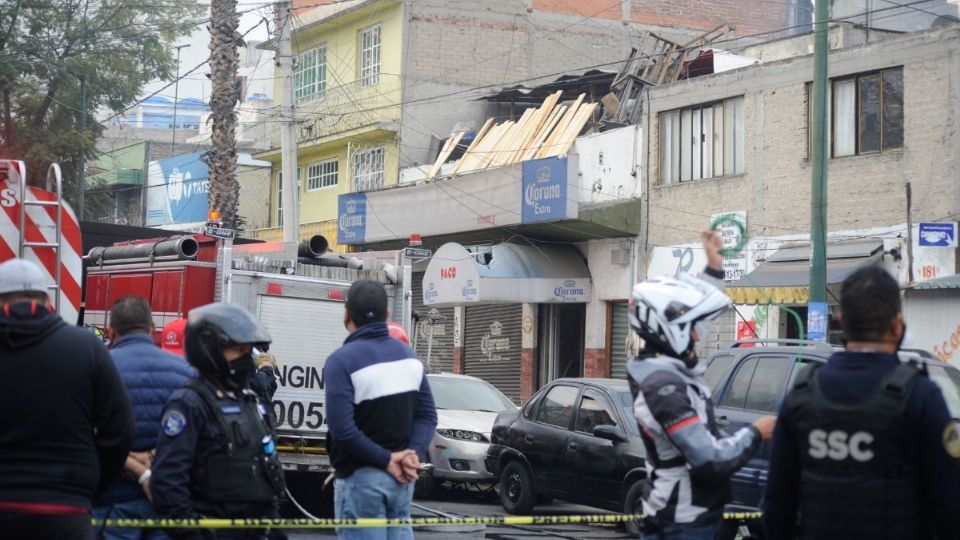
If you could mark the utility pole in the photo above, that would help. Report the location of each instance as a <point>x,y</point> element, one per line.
<point>176,96</point>
<point>81,174</point>
<point>288,141</point>
<point>817,315</point>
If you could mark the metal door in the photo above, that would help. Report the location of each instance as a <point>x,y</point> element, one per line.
<point>441,352</point>
<point>619,329</point>
<point>492,346</point>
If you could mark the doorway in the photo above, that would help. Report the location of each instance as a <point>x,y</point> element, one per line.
<point>561,341</point>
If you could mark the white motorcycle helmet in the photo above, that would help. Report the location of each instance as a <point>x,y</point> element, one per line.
<point>663,310</point>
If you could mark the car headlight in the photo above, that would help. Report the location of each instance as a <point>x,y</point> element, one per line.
<point>462,435</point>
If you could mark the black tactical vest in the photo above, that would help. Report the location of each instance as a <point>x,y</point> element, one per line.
<point>238,470</point>
<point>856,481</point>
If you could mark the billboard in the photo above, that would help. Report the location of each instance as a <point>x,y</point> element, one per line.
<point>177,190</point>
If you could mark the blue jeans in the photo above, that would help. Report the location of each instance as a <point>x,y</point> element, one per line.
<point>684,531</point>
<point>134,509</point>
<point>372,493</point>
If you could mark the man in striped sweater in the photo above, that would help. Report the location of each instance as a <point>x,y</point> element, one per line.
<point>381,416</point>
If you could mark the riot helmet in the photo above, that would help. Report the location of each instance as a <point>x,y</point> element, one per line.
<point>212,328</point>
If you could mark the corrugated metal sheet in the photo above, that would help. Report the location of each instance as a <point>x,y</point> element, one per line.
<point>619,328</point>
<point>946,282</point>
<point>492,345</point>
<point>441,354</point>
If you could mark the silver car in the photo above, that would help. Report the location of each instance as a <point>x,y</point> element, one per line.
<point>466,409</point>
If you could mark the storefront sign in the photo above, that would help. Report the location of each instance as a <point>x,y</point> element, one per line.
<point>352,218</point>
<point>545,190</point>
<point>735,264</point>
<point>570,291</point>
<point>938,235</point>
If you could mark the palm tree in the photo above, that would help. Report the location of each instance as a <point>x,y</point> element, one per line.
<point>222,158</point>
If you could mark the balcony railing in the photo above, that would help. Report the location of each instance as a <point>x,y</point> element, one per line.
<point>340,108</point>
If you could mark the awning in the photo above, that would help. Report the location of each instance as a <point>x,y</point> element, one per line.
<point>946,282</point>
<point>784,278</point>
<point>505,273</point>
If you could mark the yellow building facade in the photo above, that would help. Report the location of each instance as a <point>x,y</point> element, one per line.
<point>347,92</point>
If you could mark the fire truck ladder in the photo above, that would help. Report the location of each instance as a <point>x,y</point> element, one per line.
<point>54,176</point>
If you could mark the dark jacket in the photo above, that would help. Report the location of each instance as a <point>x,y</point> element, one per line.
<point>378,401</point>
<point>66,425</point>
<point>190,435</point>
<point>849,378</point>
<point>150,376</point>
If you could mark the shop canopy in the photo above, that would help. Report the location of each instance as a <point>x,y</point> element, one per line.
<point>505,273</point>
<point>784,278</point>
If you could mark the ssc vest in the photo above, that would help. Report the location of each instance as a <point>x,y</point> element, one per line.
<point>857,481</point>
<point>239,469</point>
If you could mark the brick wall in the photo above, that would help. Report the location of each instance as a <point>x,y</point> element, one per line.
<point>596,363</point>
<point>863,191</point>
<point>528,373</point>
<point>458,360</point>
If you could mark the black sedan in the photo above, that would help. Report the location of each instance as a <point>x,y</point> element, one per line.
<point>575,440</point>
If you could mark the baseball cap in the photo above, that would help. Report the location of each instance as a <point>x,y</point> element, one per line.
<point>171,338</point>
<point>397,332</point>
<point>18,275</point>
<point>367,302</point>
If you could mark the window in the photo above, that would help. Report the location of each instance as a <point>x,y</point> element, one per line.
<point>704,141</point>
<point>310,73</point>
<point>370,56</point>
<point>556,408</point>
<point>368,169</point>
<point>594,411</point>
<point>280,195</point>
<point>716,370</point>
<point>765,387</point>
<point>736,394</point>
<point>322,175</point>
<point>865,111</point>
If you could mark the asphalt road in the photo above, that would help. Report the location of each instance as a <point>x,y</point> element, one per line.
<point>455,502</point>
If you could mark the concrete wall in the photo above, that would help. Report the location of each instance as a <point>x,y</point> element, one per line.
<point>864,191</point>
<point>254,197</point>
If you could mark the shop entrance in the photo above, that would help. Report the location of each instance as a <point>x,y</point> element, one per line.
<point>560,346</point>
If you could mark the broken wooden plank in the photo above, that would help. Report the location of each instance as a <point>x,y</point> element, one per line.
<point>448,149</point>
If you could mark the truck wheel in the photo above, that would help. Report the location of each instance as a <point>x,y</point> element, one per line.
<point>632,504</point>
<point>516,489</point>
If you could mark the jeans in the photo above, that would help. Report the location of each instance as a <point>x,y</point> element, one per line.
<point>372,493</point>
<point>133,509</point>
<point>684,531</point>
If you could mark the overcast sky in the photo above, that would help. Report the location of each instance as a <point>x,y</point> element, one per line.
<point>196,84</point>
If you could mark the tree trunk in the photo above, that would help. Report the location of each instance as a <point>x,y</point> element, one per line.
<point>7,119</point>
<point>222,158</point>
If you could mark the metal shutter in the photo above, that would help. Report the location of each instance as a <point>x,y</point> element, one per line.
<point>492,345</point>
<point>441,356</point>
<point>619,328</point>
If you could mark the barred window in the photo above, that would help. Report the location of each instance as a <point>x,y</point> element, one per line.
<point>322,174</point>
<point>310,73</point>
<point>368,169</point>
<point>280,195</point>
<point>370,56</point>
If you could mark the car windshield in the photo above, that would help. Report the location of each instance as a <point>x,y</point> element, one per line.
<point>468,395</point>
<point>949,382</point>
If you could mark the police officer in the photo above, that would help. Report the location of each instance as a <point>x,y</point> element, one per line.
<point>865,447</point>
<point>216,455</point>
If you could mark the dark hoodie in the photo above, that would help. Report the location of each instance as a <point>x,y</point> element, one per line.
<point>65,419</point>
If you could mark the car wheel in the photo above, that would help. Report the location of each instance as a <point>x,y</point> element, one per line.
<point>516,489</point>
<point>632,504</point>
<point>426,486</point>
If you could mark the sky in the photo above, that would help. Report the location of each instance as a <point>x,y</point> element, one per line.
<point>197,85</point>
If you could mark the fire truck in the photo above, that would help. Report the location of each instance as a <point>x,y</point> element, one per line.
<point>295,290</point>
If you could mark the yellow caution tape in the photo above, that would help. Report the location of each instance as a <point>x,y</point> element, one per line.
<point>267,523</point>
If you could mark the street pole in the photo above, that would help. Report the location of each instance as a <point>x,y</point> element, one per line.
<point>81,175</point>
<point>176,95</point>
<point>817,303</point>
<point>288,141</point>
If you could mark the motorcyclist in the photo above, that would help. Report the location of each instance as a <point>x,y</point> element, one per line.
<point>689,461</point>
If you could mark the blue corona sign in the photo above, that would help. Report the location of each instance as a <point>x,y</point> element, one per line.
<point>352,218</point>
<point>544,196</point>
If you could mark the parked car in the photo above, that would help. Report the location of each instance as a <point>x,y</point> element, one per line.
<point>466,409</point>
<point>750,379</point>
<point>575,440</point>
